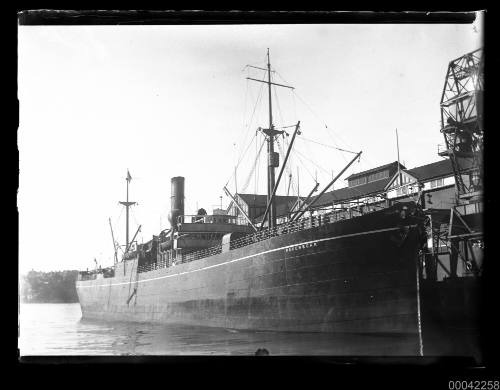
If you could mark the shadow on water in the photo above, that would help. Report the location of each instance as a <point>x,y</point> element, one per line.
<point>155,339</point>
<point>59,330</point>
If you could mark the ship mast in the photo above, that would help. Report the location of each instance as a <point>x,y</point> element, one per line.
<point>272,162</point>
<point>272,156</point>
<point>127,205</point>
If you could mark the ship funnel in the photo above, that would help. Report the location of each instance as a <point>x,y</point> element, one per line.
<point>177,200</point>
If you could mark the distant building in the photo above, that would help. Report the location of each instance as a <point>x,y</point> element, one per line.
<point>433,185</point>
<point>436,180</point>
<point>365,191</point>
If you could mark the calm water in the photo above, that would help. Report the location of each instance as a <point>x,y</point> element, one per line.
<point>58,329</point>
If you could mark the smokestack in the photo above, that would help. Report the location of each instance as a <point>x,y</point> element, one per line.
<point>177,200</point>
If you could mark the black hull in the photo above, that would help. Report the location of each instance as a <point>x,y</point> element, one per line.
<point>357,275</point>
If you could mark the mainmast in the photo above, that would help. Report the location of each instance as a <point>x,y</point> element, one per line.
<point>272,156</point>
<point>127,204</point>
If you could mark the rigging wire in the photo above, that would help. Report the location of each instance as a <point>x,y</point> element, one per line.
<point>281,152</point>
<point>312,162</point>
<point>287,167</point>
<point>281,147</point>
<point>121,212</point>
<point>329,146</point>
<point>294,107</point>
<point>133,216</point>
<point>242,132</point>
<point>246,150</point>
<point>257,176</point>
<point>307,105</point>
<point>257,101</point>
<point>242,155</point>
<point>252,170</point>
<point>249,125</point>
<point>241,158</point>
<point>330,134</point>
<point>257,166</point>
<point>246,100</point>
<point>307,170</point>
<point>308,152</point>
<point>277,104</point>
<point>118,221</point>
<point>286,141</point>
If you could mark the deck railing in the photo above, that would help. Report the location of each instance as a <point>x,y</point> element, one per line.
<point>162,263</point>
<point>265,234</point>
<point>86,276</point>
<point>91,275</point>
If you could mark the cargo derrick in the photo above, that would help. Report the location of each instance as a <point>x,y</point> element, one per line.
<point>462,123</point>
<point>451,265</point>
<point>462,128</point>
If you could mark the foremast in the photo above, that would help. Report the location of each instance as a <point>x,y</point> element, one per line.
<point>127,205</point>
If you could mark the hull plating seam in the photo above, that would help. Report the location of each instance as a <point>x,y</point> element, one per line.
<point>245,257</point>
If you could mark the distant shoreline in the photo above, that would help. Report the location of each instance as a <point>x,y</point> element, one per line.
<point>55,302</point>
<point>52,303</point>
<point>49,287</point>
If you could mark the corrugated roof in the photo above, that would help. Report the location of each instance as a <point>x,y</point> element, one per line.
<point>352,192</point>
<point>429,171</point>
<point>392,164</point>
<point>424,172</point>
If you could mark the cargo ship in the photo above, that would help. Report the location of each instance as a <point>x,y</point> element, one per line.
<point>337,271</point>
<point>313,274</point>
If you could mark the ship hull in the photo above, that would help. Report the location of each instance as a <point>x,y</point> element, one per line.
<point>357,275</point>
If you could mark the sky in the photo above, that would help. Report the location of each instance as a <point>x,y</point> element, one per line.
<point>164,101</point>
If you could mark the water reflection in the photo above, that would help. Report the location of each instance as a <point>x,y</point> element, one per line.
<point>57,329</point>
<point>151,339</point>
